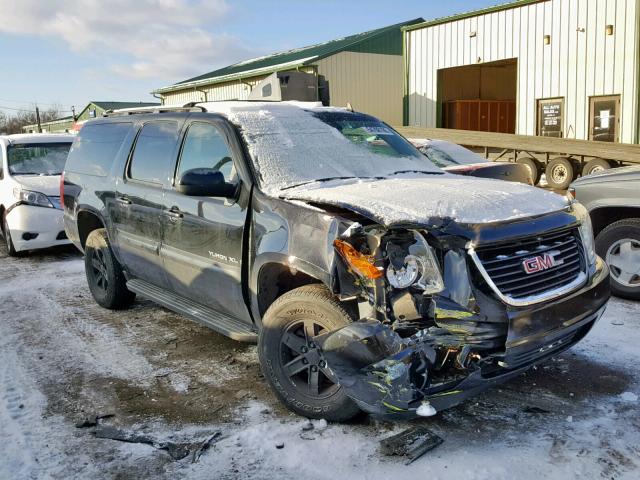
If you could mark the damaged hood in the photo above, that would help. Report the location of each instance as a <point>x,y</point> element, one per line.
<point>423,198</point>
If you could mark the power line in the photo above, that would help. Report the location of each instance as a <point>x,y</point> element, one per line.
<point>33,103</point>
<point>2,107</point>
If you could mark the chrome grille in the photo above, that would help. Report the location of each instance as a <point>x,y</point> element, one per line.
<point>504,265</point>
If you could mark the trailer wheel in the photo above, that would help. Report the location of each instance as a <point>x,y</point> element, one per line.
<point>534,166</point>
<point>594,166</point>
<point>560,173</point>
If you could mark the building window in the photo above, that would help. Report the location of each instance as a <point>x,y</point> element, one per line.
<point>92,113</point>
<point>551,117</point>
<point>604,118</point>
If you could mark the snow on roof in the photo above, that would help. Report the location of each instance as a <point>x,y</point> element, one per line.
<point>37,138</point>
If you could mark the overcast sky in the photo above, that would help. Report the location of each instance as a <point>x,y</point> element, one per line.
<point>72,51</point>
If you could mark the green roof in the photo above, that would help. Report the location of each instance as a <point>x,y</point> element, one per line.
<point>473,13</point>
<point>118,105</point>
<point>386,40</point>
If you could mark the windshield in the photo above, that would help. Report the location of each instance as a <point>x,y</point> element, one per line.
<point>37,158</point>
<point>291,146</point>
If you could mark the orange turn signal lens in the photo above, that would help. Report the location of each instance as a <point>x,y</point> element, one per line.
<point>361,264</point>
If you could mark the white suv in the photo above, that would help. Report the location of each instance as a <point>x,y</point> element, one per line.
<point>30,168</point>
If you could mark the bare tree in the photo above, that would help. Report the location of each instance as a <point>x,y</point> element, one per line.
<point>13,123</point>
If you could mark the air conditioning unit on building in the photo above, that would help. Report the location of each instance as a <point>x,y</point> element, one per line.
<point>280,86</point>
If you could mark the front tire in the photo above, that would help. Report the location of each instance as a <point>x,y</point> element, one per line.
<point>7,238</point>
<point>619,245</point>
<point>291,362</point>
<point>105,277</point>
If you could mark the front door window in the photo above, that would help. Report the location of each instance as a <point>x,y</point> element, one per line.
<point>205,147</point>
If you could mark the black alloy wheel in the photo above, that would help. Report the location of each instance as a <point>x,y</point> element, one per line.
<point>303,362</point>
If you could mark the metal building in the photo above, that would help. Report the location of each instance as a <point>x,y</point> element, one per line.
<point>561,68</point>
<point>364,70</point>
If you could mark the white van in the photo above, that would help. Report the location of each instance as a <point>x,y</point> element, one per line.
<point>30,168</point>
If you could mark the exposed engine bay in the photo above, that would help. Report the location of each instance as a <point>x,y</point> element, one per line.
<point>428,322</point>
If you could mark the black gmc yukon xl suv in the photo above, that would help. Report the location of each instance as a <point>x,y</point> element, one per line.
<point>370,279</point>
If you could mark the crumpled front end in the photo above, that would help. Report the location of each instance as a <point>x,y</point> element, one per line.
<point>433,330</point>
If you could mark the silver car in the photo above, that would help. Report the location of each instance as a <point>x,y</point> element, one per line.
<point>613,200</point>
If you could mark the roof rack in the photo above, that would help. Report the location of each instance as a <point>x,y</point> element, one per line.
<point>189,107</point>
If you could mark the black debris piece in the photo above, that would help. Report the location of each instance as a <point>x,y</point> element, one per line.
<point>411,443</point>
<point>86,423</point>
<point>535,410</point>
<point>204,446</point>
<point>177,451</point>
<point>92,421</point>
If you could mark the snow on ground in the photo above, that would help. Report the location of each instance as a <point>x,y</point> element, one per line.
<point>173,383</point>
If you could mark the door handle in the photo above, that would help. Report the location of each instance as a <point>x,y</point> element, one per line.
<point>123,200</point>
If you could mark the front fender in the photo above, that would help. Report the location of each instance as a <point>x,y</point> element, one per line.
<point>295,236</point>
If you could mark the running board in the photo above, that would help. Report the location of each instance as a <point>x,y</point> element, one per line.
<point>208,317</point>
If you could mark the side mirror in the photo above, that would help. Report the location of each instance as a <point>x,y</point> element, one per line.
<point>205,182</point>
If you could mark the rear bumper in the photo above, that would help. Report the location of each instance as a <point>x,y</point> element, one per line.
<point>36,227</point>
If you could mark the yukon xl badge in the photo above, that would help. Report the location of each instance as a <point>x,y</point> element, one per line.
<point>542,262</point>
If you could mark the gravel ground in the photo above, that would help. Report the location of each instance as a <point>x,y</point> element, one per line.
<point>174,399</point>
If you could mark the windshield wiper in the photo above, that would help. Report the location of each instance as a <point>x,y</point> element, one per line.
<point>326,179</point>
<point>428,172</point>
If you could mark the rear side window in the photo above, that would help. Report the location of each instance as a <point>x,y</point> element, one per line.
<point>153,151</point>
<point>94,149</point>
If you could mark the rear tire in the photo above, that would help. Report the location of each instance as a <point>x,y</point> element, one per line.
<point>560,172</point>
<point>534,166</point>
<point>6,232</point>
<point>105,277</point>
<point>290,361</point>
<point>619,245</point>
<point>594,166</point>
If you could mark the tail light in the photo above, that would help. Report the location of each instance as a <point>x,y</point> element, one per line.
<point>62,189</point>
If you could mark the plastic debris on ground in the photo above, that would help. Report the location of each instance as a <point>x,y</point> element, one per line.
<point>411,443</point>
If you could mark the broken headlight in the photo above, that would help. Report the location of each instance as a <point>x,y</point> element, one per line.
<point>413,263</point>
<point>586,232</point>
<point>32,198</point>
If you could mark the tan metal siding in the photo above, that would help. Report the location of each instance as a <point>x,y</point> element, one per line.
<point>577,64</point>
<point>371,82</point>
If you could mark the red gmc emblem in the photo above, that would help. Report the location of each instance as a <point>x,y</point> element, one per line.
<point>540,263</point>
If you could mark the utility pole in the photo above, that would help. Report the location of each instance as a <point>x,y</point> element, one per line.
<point>38,119</point>
<point>73,112</point>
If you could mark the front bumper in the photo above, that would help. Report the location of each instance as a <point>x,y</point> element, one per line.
<point>389,387</point>
<point>25,221</point>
